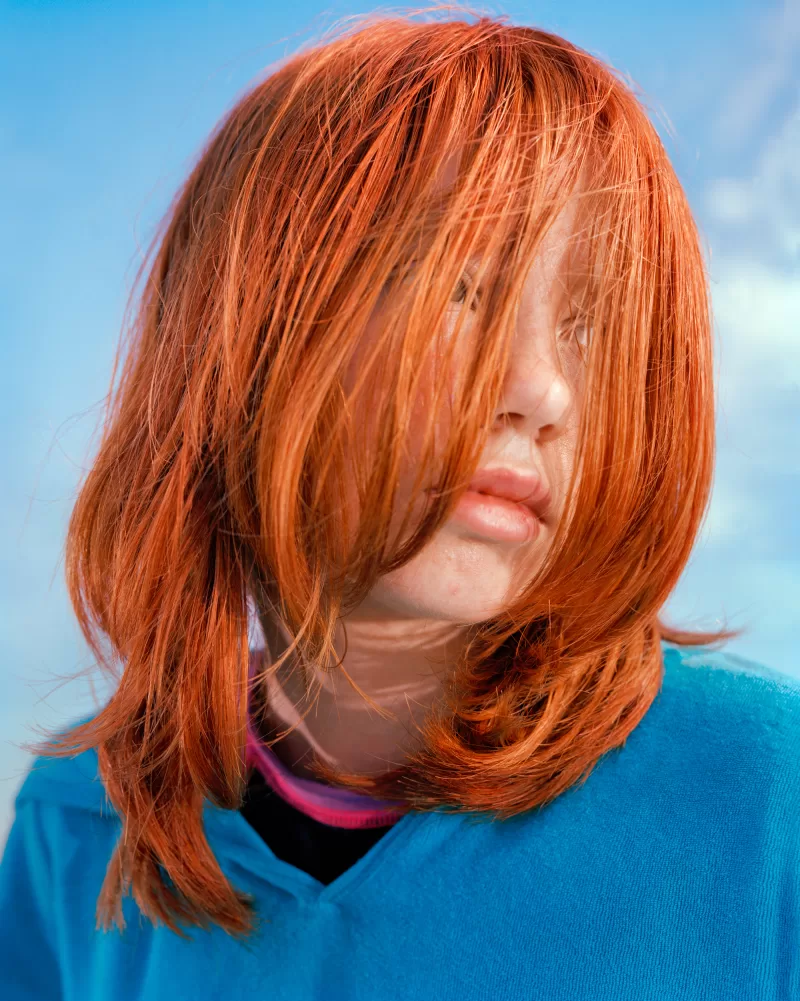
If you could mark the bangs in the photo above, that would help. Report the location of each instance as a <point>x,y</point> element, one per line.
<point>537,128</point>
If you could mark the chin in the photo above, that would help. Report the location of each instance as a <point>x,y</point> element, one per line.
<point>448,591</point>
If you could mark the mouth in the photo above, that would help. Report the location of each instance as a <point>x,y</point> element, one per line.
<point>521,486</point>
<point>498,519</point>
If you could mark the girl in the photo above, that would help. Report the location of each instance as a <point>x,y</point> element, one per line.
<point>416,431</point>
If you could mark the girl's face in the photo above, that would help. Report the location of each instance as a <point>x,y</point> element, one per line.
<point>465,575</point>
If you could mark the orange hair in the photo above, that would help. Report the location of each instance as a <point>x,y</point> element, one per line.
<point>223,452</point>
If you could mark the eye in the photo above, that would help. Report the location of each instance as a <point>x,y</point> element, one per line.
<point>463,285</point>
<point>579,331</point>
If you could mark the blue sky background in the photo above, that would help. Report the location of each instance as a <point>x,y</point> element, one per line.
<point>104,107</point>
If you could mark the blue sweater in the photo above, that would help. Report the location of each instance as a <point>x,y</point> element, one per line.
<point>672,873</point>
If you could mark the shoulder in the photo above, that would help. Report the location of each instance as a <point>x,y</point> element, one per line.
<point>66,781</point>
<point>719,690</point>
<point>722,725</point>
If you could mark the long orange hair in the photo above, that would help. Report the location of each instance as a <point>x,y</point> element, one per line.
<point>224,446</point>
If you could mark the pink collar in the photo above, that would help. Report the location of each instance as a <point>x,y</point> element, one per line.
<point>327,804</point>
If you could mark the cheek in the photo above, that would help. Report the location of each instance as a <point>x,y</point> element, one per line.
<point>437,385</point>
<point>564,455</point>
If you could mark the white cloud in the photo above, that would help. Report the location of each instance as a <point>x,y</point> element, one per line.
<point>730,201</point>
<point>747,563</point>
<point>755,262</point>
<point>730,508</point>
<point>776,55</point>
<point>757,308</point>
<point>768,201</point>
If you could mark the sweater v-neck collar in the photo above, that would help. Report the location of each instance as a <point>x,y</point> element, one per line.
<point>233,840</point>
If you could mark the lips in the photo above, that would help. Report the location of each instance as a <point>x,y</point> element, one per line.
<point>523,486</point>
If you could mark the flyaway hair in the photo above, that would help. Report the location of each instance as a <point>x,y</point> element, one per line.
<point>229,439</point>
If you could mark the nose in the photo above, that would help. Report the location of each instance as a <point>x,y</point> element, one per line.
<point>537,397</point>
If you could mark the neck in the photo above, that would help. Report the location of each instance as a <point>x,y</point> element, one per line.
<point>398,664</point>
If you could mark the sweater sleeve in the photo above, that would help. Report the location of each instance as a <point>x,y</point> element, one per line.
<point>29,966</point>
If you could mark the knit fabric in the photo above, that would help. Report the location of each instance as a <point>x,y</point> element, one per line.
<point>672,872</point>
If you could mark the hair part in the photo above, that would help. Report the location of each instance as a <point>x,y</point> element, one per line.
<point>226,444</point>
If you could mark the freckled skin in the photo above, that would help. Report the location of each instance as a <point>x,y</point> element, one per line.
<point>460,578</point>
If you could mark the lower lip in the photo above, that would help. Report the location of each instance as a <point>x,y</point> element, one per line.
<point>497,518</point>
